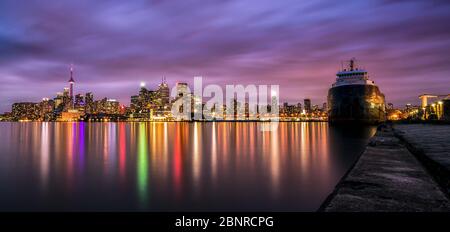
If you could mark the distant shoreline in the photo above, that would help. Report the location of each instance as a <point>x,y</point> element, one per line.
<point>236,121</point>
<point>438,122</point>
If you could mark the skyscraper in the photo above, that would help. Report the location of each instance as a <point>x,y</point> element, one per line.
<point>164,93</point>
<point>66,99</point>
<point>275,108</point>
<point>144,104</point>
<point>46,107</point>
<point>89,103</point>
<point>307,105</point>
<point>59,99</point>
<point>182,89</point>
<point>79,103</point>
<point>79,100</point>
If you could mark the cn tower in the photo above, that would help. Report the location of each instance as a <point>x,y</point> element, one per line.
<point>71,83</point>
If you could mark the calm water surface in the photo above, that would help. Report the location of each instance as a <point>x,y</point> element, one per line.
<point>173,166</point>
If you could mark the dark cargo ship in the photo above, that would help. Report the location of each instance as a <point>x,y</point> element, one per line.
<point>355,98</point>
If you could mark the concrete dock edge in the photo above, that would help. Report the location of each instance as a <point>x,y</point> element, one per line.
<point>387,177</point>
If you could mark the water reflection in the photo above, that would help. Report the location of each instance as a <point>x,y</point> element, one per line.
<point>142,164</point>
<point>122,151</point>
<point>70,140</point>
<point>196,156</point>
<point>274,164</point>
<point>112,145</point>
<point>214,153</point>
<point>182,166</point>
<point>81,152</point>
<point>177,166</point>
<point>45,156</point>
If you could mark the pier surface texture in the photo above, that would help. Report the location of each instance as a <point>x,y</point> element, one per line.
<point>389,178</point>
<point>431,144</point>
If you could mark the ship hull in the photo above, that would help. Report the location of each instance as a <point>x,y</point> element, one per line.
<point>356,103</point>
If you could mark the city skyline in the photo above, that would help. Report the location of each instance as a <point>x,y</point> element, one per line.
<point>75,98</point>
<point>298,46</point>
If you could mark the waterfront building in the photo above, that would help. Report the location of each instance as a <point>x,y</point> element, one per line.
<point>446,109</point>
<point>6,116</point>
<point>436,109</point>
<point>354,97</point>
<point>112,106</point>
<point>24,111</point>
<point>46,107</point>
<point>70,116</point>
<point>424,99</point>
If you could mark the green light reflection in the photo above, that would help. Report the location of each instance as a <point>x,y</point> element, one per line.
<point>142,165</point>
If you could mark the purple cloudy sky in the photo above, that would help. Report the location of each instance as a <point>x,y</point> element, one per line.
<point>299,45</point>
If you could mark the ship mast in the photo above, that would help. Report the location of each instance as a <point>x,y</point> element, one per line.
<point>352,64</point>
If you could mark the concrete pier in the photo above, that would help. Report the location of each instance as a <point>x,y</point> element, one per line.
<point>430,143</point>
<point>387,178</point>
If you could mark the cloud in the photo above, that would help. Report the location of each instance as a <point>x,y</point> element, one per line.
<point>116,44</point>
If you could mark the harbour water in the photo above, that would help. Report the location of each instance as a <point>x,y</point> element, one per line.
<point>212,166</point>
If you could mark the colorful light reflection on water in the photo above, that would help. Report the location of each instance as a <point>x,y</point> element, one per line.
<point>172,166</point>
<point>142,165</point>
